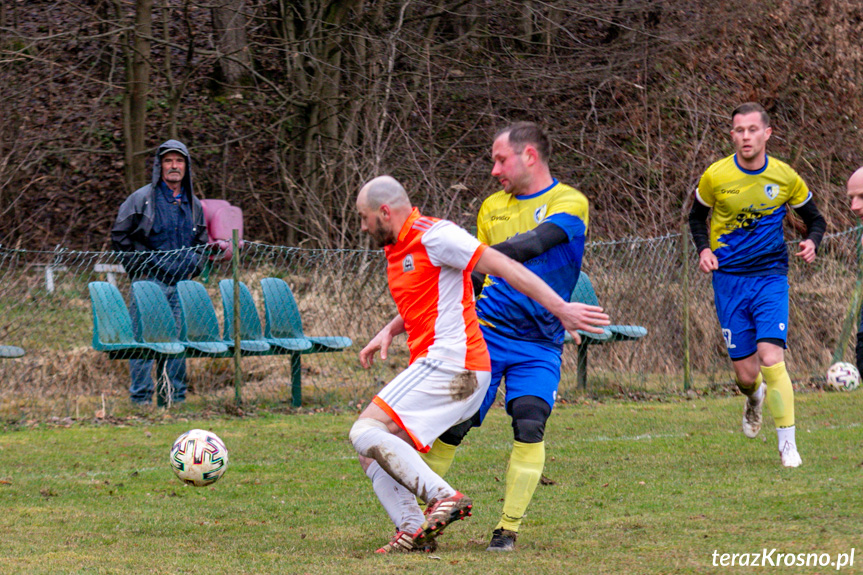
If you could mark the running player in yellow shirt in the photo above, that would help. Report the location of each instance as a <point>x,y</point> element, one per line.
<point>745,195</point>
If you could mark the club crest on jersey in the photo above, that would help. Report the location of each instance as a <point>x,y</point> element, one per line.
<point>539,213</point>
<point>408,264</point>
<point>771,191</point>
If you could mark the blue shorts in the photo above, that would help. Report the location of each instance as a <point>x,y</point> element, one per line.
<point>529,368</point>
<point>750,309</point>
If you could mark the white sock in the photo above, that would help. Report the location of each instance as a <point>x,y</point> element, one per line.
<point>758,394</point>
<point>399,503</point>
<point>786,434</point>
<point>400,460</point>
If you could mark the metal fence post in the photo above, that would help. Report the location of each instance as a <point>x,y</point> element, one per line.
<point>296,380</point>
<point>235,266</point>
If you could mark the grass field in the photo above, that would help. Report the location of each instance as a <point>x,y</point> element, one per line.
<point>649,487</point>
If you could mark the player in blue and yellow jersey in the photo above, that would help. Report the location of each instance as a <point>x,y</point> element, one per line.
<point>540,222</point>
<point>746,196</point>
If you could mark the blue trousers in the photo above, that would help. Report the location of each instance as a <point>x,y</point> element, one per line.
<point>140,370</point>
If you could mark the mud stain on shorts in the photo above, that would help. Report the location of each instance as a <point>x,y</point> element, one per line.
<point>463,386</point>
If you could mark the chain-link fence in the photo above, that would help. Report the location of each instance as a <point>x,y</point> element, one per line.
<point>46,309</point>
<point>644,282</point>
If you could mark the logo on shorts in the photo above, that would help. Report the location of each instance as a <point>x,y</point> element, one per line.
<point>781,327</point>
<point>771,191</point>
<point>408,264</point>
<point>539,213</point>
<point>726,333</point>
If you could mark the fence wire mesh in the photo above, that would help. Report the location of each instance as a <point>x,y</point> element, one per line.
<point>48,306</point>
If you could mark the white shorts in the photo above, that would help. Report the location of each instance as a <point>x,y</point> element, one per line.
<point>431,396</point>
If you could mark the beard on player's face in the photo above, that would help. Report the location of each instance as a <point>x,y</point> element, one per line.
<point>381,235</point>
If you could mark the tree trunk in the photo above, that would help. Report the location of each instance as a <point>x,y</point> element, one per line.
<point>314,45</point>
<point>2,23</point>
<point>229,26</point>
<point>173,91</point>
<point>137,88</point>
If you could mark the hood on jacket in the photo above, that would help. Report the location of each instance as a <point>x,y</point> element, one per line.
<point>173,145</point>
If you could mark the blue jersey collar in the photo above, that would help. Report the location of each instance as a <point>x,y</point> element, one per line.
<point>751,172</point>
<point>554,182</point>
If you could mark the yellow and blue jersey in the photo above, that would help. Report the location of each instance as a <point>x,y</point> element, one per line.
<point>501,217</point>
<point>747,212</point>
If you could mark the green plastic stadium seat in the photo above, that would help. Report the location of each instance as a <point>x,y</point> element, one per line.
<point>251,339</point>
<point>250,322</point>
<point>585,293</point>
<point>10,351</point>
<point>199,331</point>
<point>283,318</point>
<point>112,328</point>
<point>156,322</point>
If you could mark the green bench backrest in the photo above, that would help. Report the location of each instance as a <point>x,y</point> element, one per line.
<point>111,320</point>
<point>282,313</point>
<point>155,318</point>
<point>200,323</point>
<point>250,322</point>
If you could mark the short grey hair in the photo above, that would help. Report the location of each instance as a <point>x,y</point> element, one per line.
<point>385,190</point>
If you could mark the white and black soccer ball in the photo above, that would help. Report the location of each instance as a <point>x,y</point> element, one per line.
<point>199,457</point>
<point>843,376</point>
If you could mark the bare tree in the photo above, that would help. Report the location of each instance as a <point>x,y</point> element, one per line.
<point>137,89</point>
<point>2,22</point>
<point>634,93</point>
<point>229,29</point>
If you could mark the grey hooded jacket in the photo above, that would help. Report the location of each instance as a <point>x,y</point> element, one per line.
<point>134,224</point>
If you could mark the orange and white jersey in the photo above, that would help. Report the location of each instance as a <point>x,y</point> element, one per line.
<point>428,270</point>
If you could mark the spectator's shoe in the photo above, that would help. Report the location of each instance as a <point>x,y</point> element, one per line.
<point>502,540</point>
<point>789,455</point>
<point>441,513</point>
<point>402,542</point>
<point>752,414</point>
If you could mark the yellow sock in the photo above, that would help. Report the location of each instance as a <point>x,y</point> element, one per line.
<point>747,391</point>
<point>439,457</point>
<point>522,476</point>
<point>780,394</point>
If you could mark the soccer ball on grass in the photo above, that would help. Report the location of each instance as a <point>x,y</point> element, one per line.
<point>843,376</point>
<point>199,457</point>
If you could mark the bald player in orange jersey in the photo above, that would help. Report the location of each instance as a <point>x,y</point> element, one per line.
<point>429,262</point>
<point>855,194</point>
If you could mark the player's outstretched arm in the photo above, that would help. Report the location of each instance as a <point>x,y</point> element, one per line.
<point>525,246</point>
<point>572,315</point>
<point>381,341</point>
